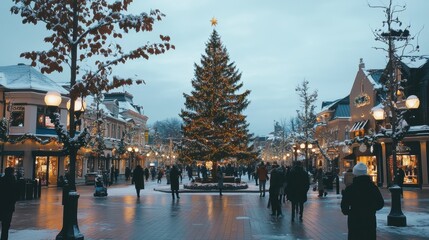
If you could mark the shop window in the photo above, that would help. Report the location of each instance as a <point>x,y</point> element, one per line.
<point>17,163</point>
<point>371,164</point>
<point>78,166</point>
<point>17,116</point>
<point>408,163</point>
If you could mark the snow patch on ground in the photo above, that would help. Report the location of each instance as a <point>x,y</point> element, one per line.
<point>417,224</point>
<point>33,234</point>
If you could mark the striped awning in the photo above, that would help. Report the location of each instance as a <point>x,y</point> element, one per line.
<point>358,125</point>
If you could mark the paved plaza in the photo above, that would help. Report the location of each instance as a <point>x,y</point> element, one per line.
<point>204,215</point>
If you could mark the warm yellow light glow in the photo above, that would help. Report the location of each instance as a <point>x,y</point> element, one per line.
<point>302,145</point>
<point>130,149</point>
<point>412,102</point>
<point>310,145</point>
<point>213,21</point>
<point>136,149</point>
<point>79,105</point>
<point>53,98</point>
<point>378,113</point>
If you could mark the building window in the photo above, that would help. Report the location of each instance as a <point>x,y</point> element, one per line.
<point>17,163</point>
<point>43,120</point>
<point>17,116</point>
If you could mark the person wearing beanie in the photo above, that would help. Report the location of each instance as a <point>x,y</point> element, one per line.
<point>360,201</point>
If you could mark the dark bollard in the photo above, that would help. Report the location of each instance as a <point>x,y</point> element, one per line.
<point>39,186</point>
<point>35,188</point>
<point>396,217</point>
<point>29,187</point>
<point>70,228</point>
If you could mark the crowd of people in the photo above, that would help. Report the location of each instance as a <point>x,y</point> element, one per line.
<point>361,198</point>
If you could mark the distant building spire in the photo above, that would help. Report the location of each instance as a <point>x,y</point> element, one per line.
<point>361,64</point>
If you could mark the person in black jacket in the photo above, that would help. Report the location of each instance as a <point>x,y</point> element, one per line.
<point>297,188</point>
<point>174,181</point>
<point>276,182</point>
<point>360,202</point>
<point>9,195</point>
<point>138,179</point>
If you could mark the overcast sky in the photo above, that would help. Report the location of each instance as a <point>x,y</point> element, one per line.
<point>276,44</point>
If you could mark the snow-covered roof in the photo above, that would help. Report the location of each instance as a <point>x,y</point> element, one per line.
<point>329,105</point>
<point>374,76</point>
<point>24,77</point>
<point>90,103</point>
<point>125,105</point>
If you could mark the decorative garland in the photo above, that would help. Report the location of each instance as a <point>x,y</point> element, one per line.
<point>28,136</point>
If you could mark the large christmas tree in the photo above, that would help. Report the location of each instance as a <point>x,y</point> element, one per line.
<point>214,127</point>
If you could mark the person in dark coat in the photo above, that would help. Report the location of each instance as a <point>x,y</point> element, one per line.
<point>276,182</point>
<point>174,181</point>
<point>146,173</point>
<point>360,202</point>
<point>219,175</point>
<point>189,170</point>
<point>127,173</point>
<point>138,179</point>
<point>9,195</point>
<point>297,188</point>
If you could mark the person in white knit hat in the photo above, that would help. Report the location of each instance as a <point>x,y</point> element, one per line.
<point>360,201</point>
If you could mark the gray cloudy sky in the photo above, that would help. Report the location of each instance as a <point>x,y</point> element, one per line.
<point>276,44</point>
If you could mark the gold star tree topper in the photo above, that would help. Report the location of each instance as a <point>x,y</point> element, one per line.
<point>213,21</point>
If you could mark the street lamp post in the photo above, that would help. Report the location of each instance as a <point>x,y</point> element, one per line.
<point>132,151</point>
<point>396,120</point>
<point>305,146</point>
<point>70,229</point>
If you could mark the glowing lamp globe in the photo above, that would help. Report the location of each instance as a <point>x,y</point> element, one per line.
<point>53,99</point>
<point>378,113</point>
<point>412,102</point>
<point>79,105</point>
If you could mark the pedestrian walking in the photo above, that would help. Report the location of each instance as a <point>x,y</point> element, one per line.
<point>297,188</point>
<point>219,175</point>
<point>189,170</point>
<point>153,173</point>
<point>360,202</point>
<point>9,195</point>
<point>348,177</point>
<point>174,181</point>
<point>276,182</point>
<point>262,175</point>
<point>146,173</point>
<point>127,173</point>
<point>138,179</point>
<point>160,174</point>
<point>320,175</point>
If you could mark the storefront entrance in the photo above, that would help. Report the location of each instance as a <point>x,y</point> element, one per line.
<point>47,169</point>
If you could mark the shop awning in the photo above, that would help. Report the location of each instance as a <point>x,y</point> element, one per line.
<point>358,125</point>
